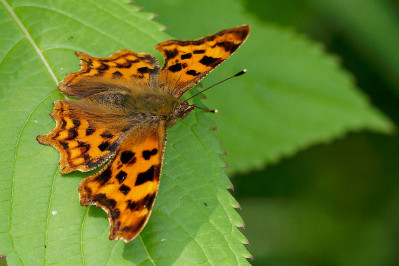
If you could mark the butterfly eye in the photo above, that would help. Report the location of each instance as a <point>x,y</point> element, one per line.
<point>182,110</point>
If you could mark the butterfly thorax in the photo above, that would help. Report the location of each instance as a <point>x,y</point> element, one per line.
<point>140,106</point>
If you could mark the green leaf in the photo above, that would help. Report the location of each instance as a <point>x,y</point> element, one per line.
<point>41,221</point>
<point>293,96</point>
<point>373,29</point>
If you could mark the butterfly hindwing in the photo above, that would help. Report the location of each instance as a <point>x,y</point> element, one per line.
<point>122,70</point>
<point>82,143</point>
<point>127,186</point>
<point>187,62</point>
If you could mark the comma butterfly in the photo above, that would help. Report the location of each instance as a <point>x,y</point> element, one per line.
<point>126,104</point>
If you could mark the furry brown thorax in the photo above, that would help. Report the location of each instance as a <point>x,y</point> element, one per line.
<point>154,106</point>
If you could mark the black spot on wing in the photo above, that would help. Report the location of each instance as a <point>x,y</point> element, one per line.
<point>117,74</point>
<point>64,145</point>
<point>72,134</point>
<point>103,146</point>
<point>193,73</point>
<point>121,176</point>
<point>126,156</point>
<point>171,53</point>
<point>90,131</point>
<point>145,176</point>
<point>186,56</point>
<point>143,70</point>
<point>127,228</point>
<point>147,154</point>
<point>115,214</point>
<point>124,189</point>
<point>63,123</point>
<point>103,200</point>
<point>146,202</point>
<point>76,122</point>
<point>132,205</point>
<point>104,177</point>
<point>175,68</point>
<point>227,46</point>
<point>107,135</point>
<point>207,61</point>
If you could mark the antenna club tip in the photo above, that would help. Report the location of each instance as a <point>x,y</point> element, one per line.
<point>215,111</point>
<point>241,72</point>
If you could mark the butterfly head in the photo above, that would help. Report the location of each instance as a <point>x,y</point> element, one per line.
<point>182,110</point>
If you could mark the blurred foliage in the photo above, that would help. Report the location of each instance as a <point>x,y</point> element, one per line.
<point>335,203</point>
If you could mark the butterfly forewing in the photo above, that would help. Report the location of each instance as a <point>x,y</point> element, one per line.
<point>187,62</point>
<point>127,186</point>
<point>122,70</point>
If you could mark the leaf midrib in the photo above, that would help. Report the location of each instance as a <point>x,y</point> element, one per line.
<point>30,39</point>
<point>47,66</point>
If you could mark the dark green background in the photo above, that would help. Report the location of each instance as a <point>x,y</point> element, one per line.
<point>336,203</point>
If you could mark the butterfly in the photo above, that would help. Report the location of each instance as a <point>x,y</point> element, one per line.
<point>125,104</point>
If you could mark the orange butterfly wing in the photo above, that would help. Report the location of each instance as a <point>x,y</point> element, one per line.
<point>187,62</point>
<point>123,70</point>
<point>127,186</point>
<point>83,143</point>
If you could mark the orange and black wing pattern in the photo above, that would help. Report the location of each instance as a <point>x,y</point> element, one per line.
<point>123,70</point>
<point>83,143</point>
<point>187,62</point>
<point>127,186</point>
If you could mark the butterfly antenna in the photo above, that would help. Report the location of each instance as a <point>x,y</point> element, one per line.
<point>215,111</point>
<point>236,75</point>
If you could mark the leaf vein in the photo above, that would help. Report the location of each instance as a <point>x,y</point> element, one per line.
<point>30,39</point>
<point>146,251</point>
<point>48,212</point>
